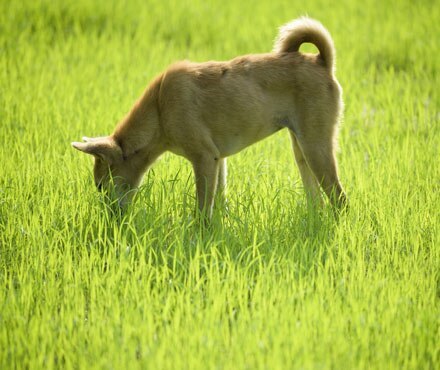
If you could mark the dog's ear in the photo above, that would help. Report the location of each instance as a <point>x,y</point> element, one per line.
<point>104,148</point>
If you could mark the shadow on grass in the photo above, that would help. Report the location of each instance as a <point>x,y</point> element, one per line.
<point>249,233</point>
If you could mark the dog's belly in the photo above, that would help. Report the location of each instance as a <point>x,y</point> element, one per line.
<point>229,141</point>
<point>232,142</point>
<point>249,118</point>
<point>233,135</point>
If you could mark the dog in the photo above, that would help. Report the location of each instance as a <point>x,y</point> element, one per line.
<point>208,111</point>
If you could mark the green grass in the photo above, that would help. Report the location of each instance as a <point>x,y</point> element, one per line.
<point>271,284</point>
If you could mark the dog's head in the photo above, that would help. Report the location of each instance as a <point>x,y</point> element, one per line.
<point>112,172</point>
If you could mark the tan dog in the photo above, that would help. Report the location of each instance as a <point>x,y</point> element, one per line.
<point>206,112</point>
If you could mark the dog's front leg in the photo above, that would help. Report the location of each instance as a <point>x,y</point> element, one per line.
<point>220,197</point>
<point>206,171</point>
<point>222,174</point>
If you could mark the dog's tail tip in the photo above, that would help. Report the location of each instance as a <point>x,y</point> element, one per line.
<point>304,29</point>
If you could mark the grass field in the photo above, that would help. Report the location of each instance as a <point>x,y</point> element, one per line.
<point>271,284</point>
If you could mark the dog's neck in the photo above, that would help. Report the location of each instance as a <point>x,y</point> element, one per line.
<point>139,134</point>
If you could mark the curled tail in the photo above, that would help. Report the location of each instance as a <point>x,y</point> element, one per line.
<point>302,30</point>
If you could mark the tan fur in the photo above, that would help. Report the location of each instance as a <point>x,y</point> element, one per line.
<point>206,112</point>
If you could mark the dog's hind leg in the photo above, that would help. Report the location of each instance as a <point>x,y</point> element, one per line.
<point>311,185</point>
<point>320,156</point>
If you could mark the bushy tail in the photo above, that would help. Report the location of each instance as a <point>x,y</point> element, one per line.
<point>302,30</point>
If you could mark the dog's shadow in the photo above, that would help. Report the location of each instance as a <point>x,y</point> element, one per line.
<point>297,234</point>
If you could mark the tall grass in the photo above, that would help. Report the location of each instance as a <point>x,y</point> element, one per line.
<point>271,283</point>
